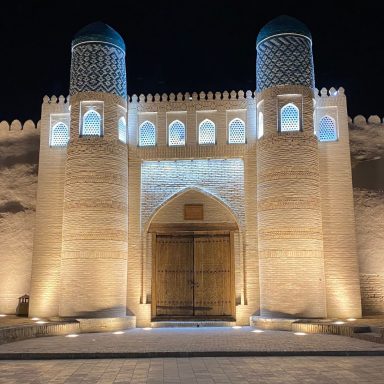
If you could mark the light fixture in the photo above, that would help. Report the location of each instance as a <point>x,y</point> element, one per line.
<point>300,333</point>
<point>2,315</point>
<point>257,331</point>
<point>147,329</point>
<point>236,327</point>
<point>72,335</point>
<point>339,322</point>
<point>118,333</point>
<point>351,319</point>
<point>41,322</point>
<point>35,318</point>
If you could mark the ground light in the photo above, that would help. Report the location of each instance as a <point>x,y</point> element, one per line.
<point>339,322</point>
<point>351,319</point>
<point>2,315</point>
<point>72,335</point>
<point>147,329</point>
<point>257,331</point>
<point>300,333</point>
<point>236,327</point>
<point>35,318</point>
<point>41,322</point>
<point>118,333</point>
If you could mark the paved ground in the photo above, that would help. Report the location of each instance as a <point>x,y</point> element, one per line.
<point>205,339</point>
<point>208,370</point>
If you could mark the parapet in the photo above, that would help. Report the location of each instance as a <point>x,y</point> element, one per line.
<point>55,100</point>
<point>361,120</point>
<point>16,127</point>
<point>233,95</point>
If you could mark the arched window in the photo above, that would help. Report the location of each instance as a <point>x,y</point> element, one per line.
<point>236,133</point>
<point>91,124</point>
<point>207,132</point>
<point>122,127</point>
<point>289,118</point>
<point>176,133</point>
<point>327,129</point>
<point>147,134</point>
<point>59,135</point>
<point>260,125</point>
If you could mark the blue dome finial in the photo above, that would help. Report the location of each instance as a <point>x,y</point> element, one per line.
<point>100,32</point>
<point>283,25</point>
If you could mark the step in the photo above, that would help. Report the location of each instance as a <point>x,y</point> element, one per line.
<point>192,324</point>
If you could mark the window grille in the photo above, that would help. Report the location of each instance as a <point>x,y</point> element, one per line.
<point>91,124</point>
<point>236,134</point>
<point>207,132</point>
<point>176,133</point>
<point>289,118</point>
<point>122,127</point>
<point>327,129</point>
<point>59,135</point>
<point>260,125</point>
<point>147,134</point>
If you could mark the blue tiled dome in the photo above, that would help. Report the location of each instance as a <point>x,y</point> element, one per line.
<point>283,24</point>
<point>98,31</point>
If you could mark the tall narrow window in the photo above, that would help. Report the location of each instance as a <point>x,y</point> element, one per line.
<point>176,133</point>
<point>327,129</point>
<point>59,135</point>
<point>260,125</point>
<point>207,132</point>
<point>91,124</point>
<point>236,132</point>
<point>122,127</point>
<point>289,118</point>
<point>147,134</point>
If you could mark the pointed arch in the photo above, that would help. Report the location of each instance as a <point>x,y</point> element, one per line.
<point>59,135</point>
<point>147,134</point>
<point>122,129</point>
<point>289,118</point>
<point>236,131</point>
<point>176,133</point>
<point>176,195</point>
<point>327,129</point>
<point>91,124</point>
<point>207,132</point>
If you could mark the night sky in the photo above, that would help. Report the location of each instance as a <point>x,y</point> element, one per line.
<point>180,46</point>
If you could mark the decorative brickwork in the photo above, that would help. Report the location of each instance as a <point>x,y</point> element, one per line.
<point>98,67</point>
<point>283,60</point>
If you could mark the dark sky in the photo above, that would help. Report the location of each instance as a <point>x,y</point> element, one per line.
<point>179,46</point>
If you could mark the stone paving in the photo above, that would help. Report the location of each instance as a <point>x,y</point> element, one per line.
<point>207,370</point>
<point>205,339</point>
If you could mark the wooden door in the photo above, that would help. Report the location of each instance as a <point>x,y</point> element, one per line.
<point>212,277</point>
<point>174,276</point>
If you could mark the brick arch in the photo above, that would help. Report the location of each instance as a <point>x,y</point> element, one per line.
<point>163,206</point>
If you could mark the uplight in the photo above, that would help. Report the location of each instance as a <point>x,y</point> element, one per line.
<point>35,318</point>
<point>236,327</point>
<point>257,331</point>
<point>118,333</point>
<point>147,329</point>
<point>41,322</point>
<point>72,335</point>
<point>351,319</point>
<point>300,333</point>
<point>2,315</point>
<point>339,322</point>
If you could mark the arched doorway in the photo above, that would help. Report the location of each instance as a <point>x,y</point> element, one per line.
<point>193,273</point>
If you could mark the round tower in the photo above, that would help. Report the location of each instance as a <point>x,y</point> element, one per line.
<point>95,218</point>
<point>291,257</point>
